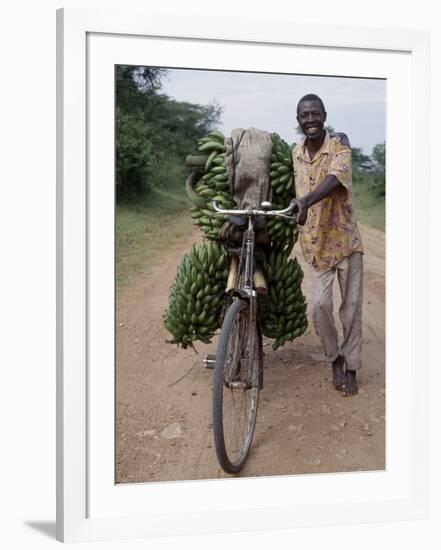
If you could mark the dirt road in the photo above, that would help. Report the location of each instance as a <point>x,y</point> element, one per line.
<point>304,426</point>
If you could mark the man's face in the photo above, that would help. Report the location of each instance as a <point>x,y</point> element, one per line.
<point>311,118</point>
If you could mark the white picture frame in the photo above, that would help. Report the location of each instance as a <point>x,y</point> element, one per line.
<point>89,507</point>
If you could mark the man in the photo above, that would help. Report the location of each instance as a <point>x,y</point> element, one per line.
<point>329,237</point>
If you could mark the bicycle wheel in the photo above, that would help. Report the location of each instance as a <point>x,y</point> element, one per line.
<point>236,386</point>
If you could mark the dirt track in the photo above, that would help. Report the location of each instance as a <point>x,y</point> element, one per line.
<point>303,425</point>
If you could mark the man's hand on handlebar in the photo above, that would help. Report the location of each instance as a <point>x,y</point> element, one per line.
<point>302,210</point>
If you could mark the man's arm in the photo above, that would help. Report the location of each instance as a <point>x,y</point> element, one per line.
<point>326,187</point>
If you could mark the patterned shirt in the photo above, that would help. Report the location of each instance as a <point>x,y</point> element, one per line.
<point>330,232</point>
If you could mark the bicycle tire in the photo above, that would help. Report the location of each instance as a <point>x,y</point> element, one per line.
<point>232,448</point>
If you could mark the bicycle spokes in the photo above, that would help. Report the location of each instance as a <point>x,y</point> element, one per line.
<point>234,395</point>
<point>238,371</point>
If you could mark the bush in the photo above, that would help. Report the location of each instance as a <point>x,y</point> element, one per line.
<point>134,150</point>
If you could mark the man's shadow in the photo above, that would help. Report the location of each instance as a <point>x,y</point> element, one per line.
<point>48,528</point>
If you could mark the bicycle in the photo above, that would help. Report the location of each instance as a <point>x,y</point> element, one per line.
<point>238,371</point>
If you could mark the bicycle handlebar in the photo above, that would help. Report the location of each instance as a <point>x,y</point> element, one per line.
<point>256,212</point>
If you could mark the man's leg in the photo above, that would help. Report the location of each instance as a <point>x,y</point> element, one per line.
<point>324,323</point>
<point>350,278</point>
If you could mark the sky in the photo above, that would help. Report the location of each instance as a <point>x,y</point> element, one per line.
<point>355,106</point>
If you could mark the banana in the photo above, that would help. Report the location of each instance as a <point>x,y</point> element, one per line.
<point>217,135</point>
<point>219,170</point>
<point>284,169</point>
<point>194,298</point>
<point>211,159</point>
<point>212,145</point>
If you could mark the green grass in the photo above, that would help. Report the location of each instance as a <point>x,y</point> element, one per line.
<point>369,205</point>
<point>144,230</point>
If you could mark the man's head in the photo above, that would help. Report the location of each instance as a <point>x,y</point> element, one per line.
<point>311,116</point>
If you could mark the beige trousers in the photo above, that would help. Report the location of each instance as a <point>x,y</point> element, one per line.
<point>350,279</point>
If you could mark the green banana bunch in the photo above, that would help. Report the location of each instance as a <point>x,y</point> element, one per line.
<point>213,185</point>
<point>283,233</point>
<point>196,295</point>
<point>286,310</point>
<point>282,178</point>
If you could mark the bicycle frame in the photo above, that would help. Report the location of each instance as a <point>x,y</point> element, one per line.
<point>246,291</point>
<point>238,374</point>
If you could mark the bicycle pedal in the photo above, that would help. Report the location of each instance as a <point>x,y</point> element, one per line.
<point>209,361</point>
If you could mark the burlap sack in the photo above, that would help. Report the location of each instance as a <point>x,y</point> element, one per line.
<point>248,162</point>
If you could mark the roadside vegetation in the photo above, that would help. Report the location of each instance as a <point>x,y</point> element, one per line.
<point>154,134</point>
<point>369,186</point>
<point>144,229</point>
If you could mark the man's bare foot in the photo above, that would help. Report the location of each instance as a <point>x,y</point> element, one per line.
<point>350,386</point>
<point>338,374</point>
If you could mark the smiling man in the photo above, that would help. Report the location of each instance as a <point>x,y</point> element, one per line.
<point>330,238</point>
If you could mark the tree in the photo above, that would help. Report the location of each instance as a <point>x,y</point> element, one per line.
<point>379,156</point>
<point>136,85</point>
<point>154,133</point>
<point>360,161</point>
<point>134,149</point>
